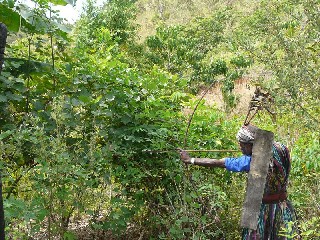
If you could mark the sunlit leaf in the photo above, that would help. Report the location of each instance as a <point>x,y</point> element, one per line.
<point>64,2</point>
<point>10,18</point>
<point>5,134</point>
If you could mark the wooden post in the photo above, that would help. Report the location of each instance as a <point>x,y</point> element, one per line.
<point>259,166</point>
<point>3,40</point>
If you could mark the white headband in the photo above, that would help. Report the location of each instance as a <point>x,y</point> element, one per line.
<point>245,135</point>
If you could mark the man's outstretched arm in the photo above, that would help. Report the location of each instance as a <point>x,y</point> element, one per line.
<point>205,162</point>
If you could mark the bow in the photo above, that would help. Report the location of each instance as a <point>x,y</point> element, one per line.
<point>192,114</point>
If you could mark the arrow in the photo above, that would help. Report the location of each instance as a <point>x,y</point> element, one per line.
<point>190,150</point>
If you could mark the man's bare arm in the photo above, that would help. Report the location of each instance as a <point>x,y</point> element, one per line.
<point>205,162</point>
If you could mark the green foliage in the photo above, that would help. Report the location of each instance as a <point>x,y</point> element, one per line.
<point>310,229</point>
<point>183,48</point>
<point>194,52</point>
<point>281,36</point>
<point>307,155</point>
<point>18,16</point>
<point>121,31</point>
<point>98,120</point>
<point>9,17</point>
<point>80,114</point>
<point>194,206</point>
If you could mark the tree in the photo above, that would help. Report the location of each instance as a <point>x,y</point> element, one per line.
<point>282,37</point>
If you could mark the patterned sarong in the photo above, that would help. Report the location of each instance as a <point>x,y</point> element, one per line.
<point>275,217</point>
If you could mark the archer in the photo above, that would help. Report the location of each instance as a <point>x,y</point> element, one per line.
<point>275,211</point>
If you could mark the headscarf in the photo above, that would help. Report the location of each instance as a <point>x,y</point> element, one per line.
<point>245,134</point>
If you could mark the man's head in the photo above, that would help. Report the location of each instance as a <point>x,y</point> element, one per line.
<point>245,136</point>
<point>246,148</point>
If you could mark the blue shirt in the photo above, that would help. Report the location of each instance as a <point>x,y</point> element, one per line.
<point>239,164</point>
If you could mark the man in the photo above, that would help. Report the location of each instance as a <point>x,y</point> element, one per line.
<point>276,212</point>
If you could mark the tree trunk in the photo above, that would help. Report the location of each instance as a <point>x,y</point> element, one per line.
<point>2,224</point>
<point>3,39</point>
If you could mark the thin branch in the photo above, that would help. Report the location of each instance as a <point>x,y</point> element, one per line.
<point>52,52</point>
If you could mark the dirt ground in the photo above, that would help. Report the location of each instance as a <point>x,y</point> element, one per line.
<point>242,89</point>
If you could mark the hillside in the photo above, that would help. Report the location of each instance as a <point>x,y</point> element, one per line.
<point>151,13</point>
<point>154,13</point>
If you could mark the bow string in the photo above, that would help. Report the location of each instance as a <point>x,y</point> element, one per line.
<point>193,112</point>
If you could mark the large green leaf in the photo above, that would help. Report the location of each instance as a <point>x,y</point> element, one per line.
<point>39,22</point>
<point>29,20</point>
<point>34,19</point>
<point>9,3</point>
<point>63,29</point>
<point>10,18</point>
<point>59,2</point>
<point>26,67</point>
<point>64,2</point>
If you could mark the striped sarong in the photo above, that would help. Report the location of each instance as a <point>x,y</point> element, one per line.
<point>277,220</point>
